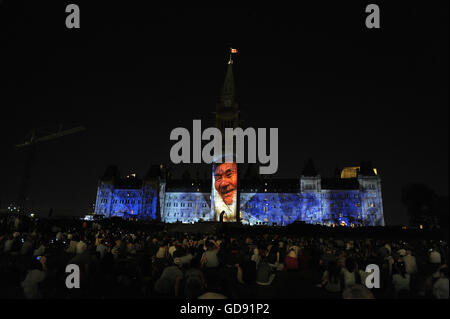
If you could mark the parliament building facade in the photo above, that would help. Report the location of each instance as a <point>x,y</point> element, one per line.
<point>350,198</point>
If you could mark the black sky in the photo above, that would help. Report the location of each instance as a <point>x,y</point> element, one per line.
<point>338,92</point>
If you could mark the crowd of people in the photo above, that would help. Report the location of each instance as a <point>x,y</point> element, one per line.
<point>120,259</point>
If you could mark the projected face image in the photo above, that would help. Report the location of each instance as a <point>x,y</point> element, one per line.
<point>225,182</point>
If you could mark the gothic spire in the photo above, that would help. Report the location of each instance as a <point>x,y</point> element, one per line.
<point>228,92</point>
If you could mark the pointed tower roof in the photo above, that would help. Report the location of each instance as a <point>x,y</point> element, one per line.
<point>227,96</point>
<point>309,169</point>
<point>337,171</point>
<point>111,173</point>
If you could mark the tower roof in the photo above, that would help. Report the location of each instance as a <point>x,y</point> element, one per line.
<point>112,172</point>
<point>309,169</point>
<point>227,97</point>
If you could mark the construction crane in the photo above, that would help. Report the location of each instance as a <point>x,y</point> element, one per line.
<point>34,137</point>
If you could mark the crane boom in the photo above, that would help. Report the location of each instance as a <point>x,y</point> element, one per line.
<point>51,136</point>
<point>30,144</point>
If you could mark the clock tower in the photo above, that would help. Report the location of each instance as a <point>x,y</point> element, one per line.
<point>227,110</point>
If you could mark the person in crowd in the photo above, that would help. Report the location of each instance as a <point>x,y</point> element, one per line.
<point>410,263</point>
<point>264,273</point>
<point>163,251</point>
<point>209,257</point>
<point>169,282</point>
<point>81,247</point>
<point>27,246</point>
<point>8,244</point>
<point>435,256</point>
<point>256,257</point>
<point>331,278</point>
<point>34,277</point>
<point>194,283</point>
<point>246,270</point>
<point>440,287</point>
<point>350,275</point>
<point>101,248</point>
<point>72,245</point>
<point>40,250</point>
<point>400,279</point>
<point>127,259</point>
<point>273,256</point>
<point>291,260</point>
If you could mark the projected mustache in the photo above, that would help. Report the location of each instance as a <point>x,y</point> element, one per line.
<point>226,190</point>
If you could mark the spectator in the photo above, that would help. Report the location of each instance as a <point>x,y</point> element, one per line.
<point>101,249</point>
<point>34,277</point>
<point>273,256</point>
<point>291,260</point>
<point>400,279</point>
<point>81,247</point>
<point>350,273</point>
<point>209,257</point>
<point>435,256</point>
<point>169,282</point>
<point>8,244</point>
<point>27,246</point>
<point>264,273</point>
<point>331,279</point>
<point>163,251</point>
<point>410,263</point>
<point>195,284</point>
<point>440,287</point>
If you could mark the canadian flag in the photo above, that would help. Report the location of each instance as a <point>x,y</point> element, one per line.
<point>234,50</point>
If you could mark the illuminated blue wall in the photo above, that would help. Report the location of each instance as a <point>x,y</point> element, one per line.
<point>344,207</point>
<point>257,208</point>
<point>140,203</point>
<point>187,207</point>
<point>312,205</point>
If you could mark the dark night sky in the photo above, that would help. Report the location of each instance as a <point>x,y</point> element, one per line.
<point>338,92</point>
